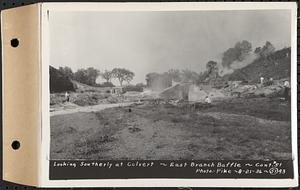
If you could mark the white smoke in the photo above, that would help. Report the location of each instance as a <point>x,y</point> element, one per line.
<point>248,60</point>
<point>238,64</point>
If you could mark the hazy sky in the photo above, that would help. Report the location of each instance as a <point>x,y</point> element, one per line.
<point>146,42</point>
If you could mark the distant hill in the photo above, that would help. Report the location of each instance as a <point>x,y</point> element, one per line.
<point>277,66</point>
<point>59,82</point>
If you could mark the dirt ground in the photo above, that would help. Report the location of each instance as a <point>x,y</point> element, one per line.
<point>240,128</point>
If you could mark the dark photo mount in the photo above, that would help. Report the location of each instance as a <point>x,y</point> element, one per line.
<point>179,108</point>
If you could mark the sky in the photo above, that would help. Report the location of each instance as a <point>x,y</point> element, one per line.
<point>145,42</point>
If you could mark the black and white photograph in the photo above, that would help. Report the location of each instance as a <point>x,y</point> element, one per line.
<point>170,85</point>
<point>150,94</point>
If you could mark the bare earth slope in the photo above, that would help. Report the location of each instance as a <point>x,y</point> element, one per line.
<point>276,66</point>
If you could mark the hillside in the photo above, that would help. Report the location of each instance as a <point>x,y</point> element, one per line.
<point>61,83</point>
<point>276,66</point>
<point>80,87</point>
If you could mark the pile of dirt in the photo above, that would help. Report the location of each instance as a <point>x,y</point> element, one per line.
<point>255,90</point>
<point>270,91</point>
<point>88,99</point>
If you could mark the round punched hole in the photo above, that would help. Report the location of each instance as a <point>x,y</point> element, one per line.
<point>14,42</point>
<point>129,110</point>
<point>15,145</point>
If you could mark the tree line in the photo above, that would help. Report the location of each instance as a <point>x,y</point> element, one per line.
<point>239,52</point>
<point>88,76</point>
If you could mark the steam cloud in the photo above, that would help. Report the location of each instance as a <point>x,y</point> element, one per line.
<point>241,55</point>
<point>238,53</point>
<point>238,64</point>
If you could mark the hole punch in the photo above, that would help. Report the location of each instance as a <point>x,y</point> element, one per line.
<point>15,145</point>
<point>14,42</point>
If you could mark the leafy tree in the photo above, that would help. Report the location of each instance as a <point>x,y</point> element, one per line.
<point>66,71</point>
<point>59,82</point>
<point>211,73</point>
<point>87,76</point>
<point>211,66</point>
<point>122,75</point>
<point>129,76</point>
<point>203,76</point>
<point>92,74</point>
<point>107,75</point>
<point>266,50</point>
<point>80,76</point>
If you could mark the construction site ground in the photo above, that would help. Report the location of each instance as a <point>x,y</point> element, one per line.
<point>234,128</point>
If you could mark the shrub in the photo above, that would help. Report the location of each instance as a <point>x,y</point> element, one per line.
<point>59,82</point>
<point>132,88</point>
